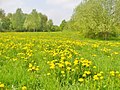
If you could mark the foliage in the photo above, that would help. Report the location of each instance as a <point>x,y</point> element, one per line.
<point>17,20</point>
<point>32,21</point>
<point>21,22</point>
<point>63,24</point>
<point>97,18</point>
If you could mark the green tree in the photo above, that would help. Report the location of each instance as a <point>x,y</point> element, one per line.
<point>50,25</point>
<point>17,20</point>
<point>32,22</point>
<point>6,24</point>
<point>56,28</point>
<point>97,18</point>
<point>62,25</point>
<point>2,15</point>
<point>44,18</point>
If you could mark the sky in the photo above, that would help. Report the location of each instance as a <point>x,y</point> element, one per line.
<point>57,10</point>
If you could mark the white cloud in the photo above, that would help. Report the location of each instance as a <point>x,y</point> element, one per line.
<point>10,6</point>
<point>2,1</point>
<point>58,1</point>
<point>57,15</point>
<point>57,10</point>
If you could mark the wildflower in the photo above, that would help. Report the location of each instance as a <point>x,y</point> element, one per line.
<point>33,68</point>
<point>62,58</point>
<point>1,85</point>
<point>116,53</point>
<point>87,72</point>
<point>24,88</point>
<point>94,55</point>
<point>112,73</point>
<point>48,74</point>
<point>68,68</point>
<point>99,74</point>
<point>52,66</point>
<point>36,68</point>
<point>119,75</point>
<point>95,77</point>
<point>117,72</point>
<point>62,72</point>
<point>94,67</point>
<point>84,75</point>
<point>101,77</point>
<point>30,65</point>
<point>67,63</point>
<point>73,70</point>
<point>60,65</point>
<point>76,62</point>
<point>80,79</point>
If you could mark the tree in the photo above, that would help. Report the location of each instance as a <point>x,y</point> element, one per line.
<point>17,20</point>
<point>50,25</point>
<point>32,22</point>
<point>97,18</point>
<point>43,22</point>
<point>2,15</point>
<point>6,24</point>
<point>56,28</point>
<point>62,25</point>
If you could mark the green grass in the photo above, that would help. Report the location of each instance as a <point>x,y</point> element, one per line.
<point>27,58</point>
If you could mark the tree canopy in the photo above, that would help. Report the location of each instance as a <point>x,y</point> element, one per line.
<point>97,18</point>
<point>21,22</point>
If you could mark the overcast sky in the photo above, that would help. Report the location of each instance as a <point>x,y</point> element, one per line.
<point>57,10</point>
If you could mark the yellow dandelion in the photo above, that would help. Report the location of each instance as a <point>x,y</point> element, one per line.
<point>60,65</point>
<point>62,72</point>
<point>52,66</point>
<point>84,75</point>
<point>76,62</point>
<point>80,79</point>
<point>33,68</point>
<point>2,86</point>
<point>116,53</point>
<point>30,65</point>
<point>101,77</point>
<point>67,63</point>
<point>87,72</point>
<point>36,68</point>
<point>99,74</point>
<point>48,74</point>
<point>112,73</point>
<point>68,68</point>
<point>95,77</point>
<point>94,55</point>
<point>24,88</point>
<point>73,70</point>
<point>117,72</point>
<point>94,67</point>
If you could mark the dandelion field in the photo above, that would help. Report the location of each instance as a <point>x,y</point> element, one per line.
<point>58,61</point>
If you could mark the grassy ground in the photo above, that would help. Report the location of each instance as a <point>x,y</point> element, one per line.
<point>58,61</point>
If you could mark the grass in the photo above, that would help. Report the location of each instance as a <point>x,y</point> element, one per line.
<point>58,61</point>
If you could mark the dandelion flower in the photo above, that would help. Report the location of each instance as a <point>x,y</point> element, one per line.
<point>1,85</point>
<point>80,79</point>
<point>24,88</point>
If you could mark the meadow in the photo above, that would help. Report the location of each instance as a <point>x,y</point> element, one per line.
<point>58,61</point>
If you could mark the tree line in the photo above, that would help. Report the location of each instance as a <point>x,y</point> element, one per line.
<point>33,22</point>
<point>92,18</point>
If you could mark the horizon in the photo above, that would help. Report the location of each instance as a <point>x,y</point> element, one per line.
<point>57,11</point>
